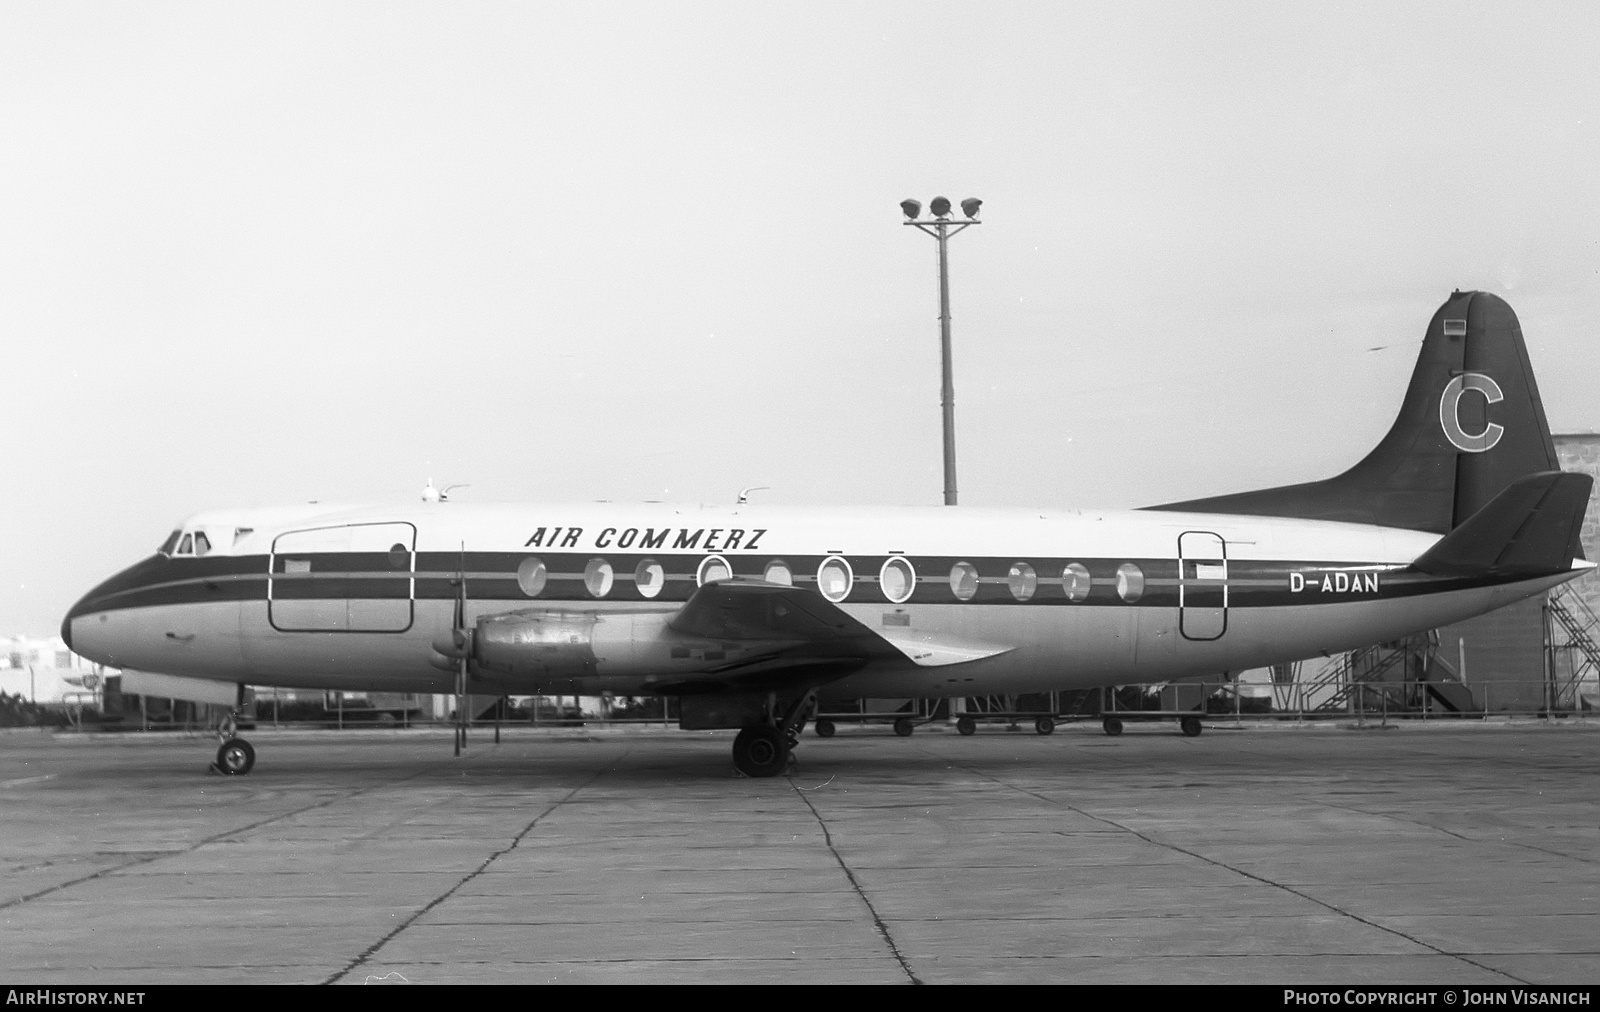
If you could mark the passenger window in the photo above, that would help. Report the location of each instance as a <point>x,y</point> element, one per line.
<point>964,581</point>
<point>712,569</point>
<point>834,578</point>
<point>650,578</point>
<point>531,576</point>
<point>202,544</point>
<point>597,577</point>
<point>898,580</point>
<point>1130,582</point>
<point>1022,580</point>
<point>777,571</point>
<point>1075,581</point>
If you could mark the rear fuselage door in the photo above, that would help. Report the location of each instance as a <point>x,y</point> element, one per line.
<point>349,578</point>
<point>1202,585</point>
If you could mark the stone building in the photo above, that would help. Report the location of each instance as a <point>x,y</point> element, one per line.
<point>1503,652</point>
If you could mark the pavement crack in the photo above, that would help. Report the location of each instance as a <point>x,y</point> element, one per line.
<point>374,948</point>
<point>1335,908</point>
<point>146,857</point>
<point>877,920</point>
<point>1450,832</point>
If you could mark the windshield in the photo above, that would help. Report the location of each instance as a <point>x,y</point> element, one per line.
<point>169,544</point>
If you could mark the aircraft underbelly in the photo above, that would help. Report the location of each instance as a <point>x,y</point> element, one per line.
<point>1044,648</point>
<point>1093,647</point>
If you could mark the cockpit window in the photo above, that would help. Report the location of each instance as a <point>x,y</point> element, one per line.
<point>168,545</point>
<point>202,544</point>
<point>186,546</point>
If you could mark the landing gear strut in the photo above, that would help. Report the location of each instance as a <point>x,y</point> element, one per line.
<point>235,756</point>
<point>767,749</point>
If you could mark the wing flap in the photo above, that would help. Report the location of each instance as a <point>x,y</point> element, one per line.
<point>936,652</point>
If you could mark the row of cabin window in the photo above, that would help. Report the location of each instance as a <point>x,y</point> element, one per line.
<point>835,579</point>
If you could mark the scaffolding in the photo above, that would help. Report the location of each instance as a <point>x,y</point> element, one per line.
<point>1572,656</point>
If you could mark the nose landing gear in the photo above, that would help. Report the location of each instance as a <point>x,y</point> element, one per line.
<point>235,756</point>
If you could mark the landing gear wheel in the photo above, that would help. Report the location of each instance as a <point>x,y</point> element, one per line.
<point>1190,727</point>
<point>235,758</point>
<point>903,727</point>
<point>761,751</point>
<point>825,729</point>
<point>966,725</point>
<point>1044,725</point>
<point>1112,726</point>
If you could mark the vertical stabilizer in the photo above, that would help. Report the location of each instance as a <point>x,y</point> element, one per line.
<point>1471,424</point>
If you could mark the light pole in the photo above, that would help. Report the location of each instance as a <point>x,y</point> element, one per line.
<point>942,227</point>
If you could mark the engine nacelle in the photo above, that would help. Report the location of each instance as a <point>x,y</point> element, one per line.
<point>543,646</point>
<point>540,644</point>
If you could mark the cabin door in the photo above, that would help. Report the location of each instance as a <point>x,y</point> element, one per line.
<point>1202,585</point>
<point>348,578</point>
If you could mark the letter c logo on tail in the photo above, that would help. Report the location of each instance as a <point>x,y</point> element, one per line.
<point>1450,408</point>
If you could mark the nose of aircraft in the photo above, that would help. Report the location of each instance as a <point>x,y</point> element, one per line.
<point>139,575</point>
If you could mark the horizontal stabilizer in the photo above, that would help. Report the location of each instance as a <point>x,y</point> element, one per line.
<point>1529,529</point>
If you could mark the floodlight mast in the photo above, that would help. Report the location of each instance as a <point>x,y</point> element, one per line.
<point>942,227</point>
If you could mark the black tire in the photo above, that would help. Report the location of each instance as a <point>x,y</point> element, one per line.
<point>903,727</point>
<point>966,725</point>
<point>761,751</point>
<point>1112,726</point>
<point>1044,725</point>
<point>1190,727</point>
<point>825,729</point>
<point>236,757</point>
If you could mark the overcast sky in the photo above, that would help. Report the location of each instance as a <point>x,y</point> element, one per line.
<point>265,253</point>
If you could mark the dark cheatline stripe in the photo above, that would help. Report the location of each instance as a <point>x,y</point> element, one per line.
<point>492,576</point>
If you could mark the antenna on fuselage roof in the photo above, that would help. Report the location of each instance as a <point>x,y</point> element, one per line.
<point>744,495</point>
<point>431,494</point>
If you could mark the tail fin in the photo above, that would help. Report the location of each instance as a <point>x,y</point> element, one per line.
<point>1470,425</point>
<point>1530,529</point>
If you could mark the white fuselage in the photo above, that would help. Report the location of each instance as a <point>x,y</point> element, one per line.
<point>981,600</point>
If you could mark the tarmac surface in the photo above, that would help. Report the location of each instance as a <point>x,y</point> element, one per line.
<point>1449,852</point>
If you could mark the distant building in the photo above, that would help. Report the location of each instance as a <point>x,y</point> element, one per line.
<point>1507,646</point>
<point>1581,452</point>
<point>42,669</point>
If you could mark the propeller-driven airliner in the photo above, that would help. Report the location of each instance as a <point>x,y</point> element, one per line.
<point>746,613</point>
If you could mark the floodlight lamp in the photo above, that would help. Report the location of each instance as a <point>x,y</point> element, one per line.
<point>912,208</point>
<point>969,207</point>
<point>940,206</point>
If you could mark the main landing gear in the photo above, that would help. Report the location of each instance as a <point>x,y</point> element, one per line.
<point>235,756</point>
<point>761,750</point>
<point>767,749</point>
